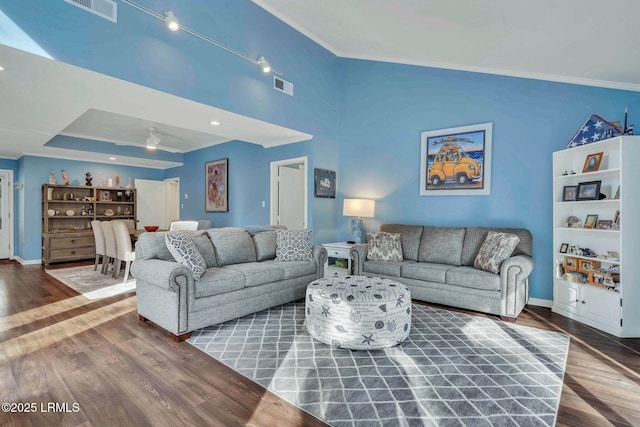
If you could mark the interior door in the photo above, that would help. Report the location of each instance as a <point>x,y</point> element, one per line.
<point>152,203</point>
<point>291,196</point>
<point>5,221</point>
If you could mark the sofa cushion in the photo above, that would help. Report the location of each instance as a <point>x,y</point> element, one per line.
<point>383,246</point>
<point>232,245</point>
<point>426,271</point>
<point>265,243</point>
<point>475,236</point>
<point>409,238</point>
<point>496,248</point>
<point>294,245</point>
<point>153,246</point>
<point>257,273</point>
<point>185,252</point>
<point>293,269</point>
<point>386,268</point>
<point>203,243</point>
<point>470,277</point>
<point>218,281</point>
<point>441,245</point>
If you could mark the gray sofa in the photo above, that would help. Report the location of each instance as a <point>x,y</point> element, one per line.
<point>437,267</point>
<point>242,277</point>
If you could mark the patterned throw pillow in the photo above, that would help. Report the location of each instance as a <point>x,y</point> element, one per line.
<point>185,252</point>
<point>294,245</point>
<point>384,246</point>
<point>496,248</point>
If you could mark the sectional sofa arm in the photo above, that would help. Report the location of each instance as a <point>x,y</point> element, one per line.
<point>514,276</point>
<point>358,257</point>
<point>164,274</point>
<point>320,257</point>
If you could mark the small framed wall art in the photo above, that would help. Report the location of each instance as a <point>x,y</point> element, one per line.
<point>216,186</point>
<point>324,183</point>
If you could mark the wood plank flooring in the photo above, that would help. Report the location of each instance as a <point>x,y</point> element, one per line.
<point>103,367</point>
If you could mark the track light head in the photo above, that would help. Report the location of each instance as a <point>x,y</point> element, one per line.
<point>266,67</point>
<point>152,140</point>
<point>171,20</point>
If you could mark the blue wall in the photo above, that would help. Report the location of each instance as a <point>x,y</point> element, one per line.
<point>384,107</point>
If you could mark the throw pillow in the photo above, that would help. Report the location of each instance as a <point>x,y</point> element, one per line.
<point>185,252</point>
<point>496,248</point>
<point>294,245</point>
<point>384,246</point>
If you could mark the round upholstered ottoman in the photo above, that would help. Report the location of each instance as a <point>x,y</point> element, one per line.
<point>358,312</point>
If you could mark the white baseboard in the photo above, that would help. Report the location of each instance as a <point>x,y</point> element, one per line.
<point>540,302</point>
<point>28,261</point>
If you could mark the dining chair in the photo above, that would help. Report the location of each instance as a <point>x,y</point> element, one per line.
<point>98,238</point>
<point>203,224</point>
<point>124,250</point>
<point>183,225</point>
<point>110,245</point>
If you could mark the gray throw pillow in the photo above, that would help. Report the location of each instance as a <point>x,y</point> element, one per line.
<point>383,246</point>
<point>185,252</point>
<point>496,248</point>
<point>294,245</point>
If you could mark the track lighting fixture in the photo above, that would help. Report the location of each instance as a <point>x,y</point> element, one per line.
<point>171,20</point>
<point>152,140</point>
<point>174,25</point>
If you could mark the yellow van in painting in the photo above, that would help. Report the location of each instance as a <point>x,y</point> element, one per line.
<point>452,163</point>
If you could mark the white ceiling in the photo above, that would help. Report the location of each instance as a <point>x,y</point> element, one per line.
<point>590,42</point>
<point>43,98</point>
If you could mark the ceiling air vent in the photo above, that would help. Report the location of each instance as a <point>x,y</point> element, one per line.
<point>107,9</point>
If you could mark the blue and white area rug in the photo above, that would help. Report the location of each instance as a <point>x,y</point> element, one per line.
<point>454,369</point>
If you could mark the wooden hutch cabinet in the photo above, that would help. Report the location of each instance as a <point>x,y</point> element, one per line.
<point>67,212</point>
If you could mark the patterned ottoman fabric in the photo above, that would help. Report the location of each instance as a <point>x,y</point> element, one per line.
<point>357,312</point>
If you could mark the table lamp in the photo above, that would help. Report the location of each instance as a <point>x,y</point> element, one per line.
<point>358,208</point>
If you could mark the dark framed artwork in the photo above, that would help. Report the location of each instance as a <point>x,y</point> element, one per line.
<point>591,221</point>
<point>216,183</point>
<point>569,193</point>
<point>589,190</point>
<point>456,161</point>
<point>592,162</point>
<point>564,248</point>
<point>324,183</point>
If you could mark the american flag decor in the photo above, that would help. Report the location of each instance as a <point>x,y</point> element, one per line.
<point>595,129</point>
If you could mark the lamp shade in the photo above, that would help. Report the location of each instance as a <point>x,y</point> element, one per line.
<point>358,207</point>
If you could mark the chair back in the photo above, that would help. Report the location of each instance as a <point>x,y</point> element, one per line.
<point>109,239</point>
<point>123,239</point>
<point>129,223</point>
<point>98,237</point>
<point>203,224</point>
<point>183,225</point>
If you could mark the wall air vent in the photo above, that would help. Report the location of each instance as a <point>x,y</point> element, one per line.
<point>107,9</point>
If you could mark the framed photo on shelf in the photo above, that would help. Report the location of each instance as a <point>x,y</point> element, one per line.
<point>216,174</point>
<point>589,190</point>
<point>617,196</point>
<point>564,248</point>
<point>591,221</point>
<point>604,224</point>
<point>592,162</point>
<point>105,195</point>
<point>570,193</point>
<point>616,217</point>
<point>324,183</point>
<point>570,262</point>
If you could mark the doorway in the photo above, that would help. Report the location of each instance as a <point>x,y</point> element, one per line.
<point>158,202</point>
<point>6,218</point>
<point>289,193</point>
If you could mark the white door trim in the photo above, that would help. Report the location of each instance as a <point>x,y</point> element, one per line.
<point>273,218</point>
<point>175,179</point>
<point>10,210</point>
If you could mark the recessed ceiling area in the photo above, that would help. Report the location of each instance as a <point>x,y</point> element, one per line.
<point>43,99</point>
<point>575,41</point>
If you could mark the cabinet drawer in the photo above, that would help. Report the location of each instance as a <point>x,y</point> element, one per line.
<point>86,252</point>
<point>70,242</point>
<point>338,253</point>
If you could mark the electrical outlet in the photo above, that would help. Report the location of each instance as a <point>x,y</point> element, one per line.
<point>264,204</point>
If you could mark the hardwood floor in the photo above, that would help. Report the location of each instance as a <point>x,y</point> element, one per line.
<point>101,366</point>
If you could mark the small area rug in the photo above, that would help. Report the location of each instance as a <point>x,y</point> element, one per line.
<point>92,284</point>
<point>454,369</point>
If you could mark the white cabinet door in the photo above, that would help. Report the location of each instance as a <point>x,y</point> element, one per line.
<point>567,296</point>
<point>602,306</point>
